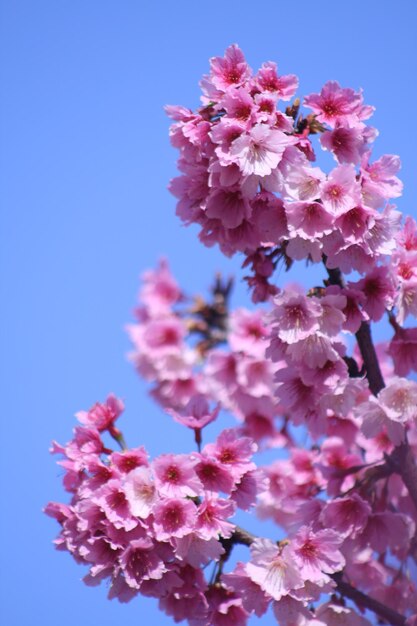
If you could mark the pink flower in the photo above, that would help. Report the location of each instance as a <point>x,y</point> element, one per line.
<point>317,554</point>
<point>291,612</point>
<point>387,529</point>
<point>348,516</point>
<point>185,599</point>
<point>129,460</point>
<point>399,399</point>
<point>407,299</point>
<point>272,568</point>
<point>333,614</point>
<point>313,351</point>
<point>212,517</point>
<point>233,452</point>
<point>239,106</point>
<point>85,447</point>
<point>294,317</point>
<point>140,491</point>
<point>336,464</point>
<point>379,181</point>
<point>403,350</point>
<point>375,420</point>
<point>347,144</point>
<point>227,72</point>
<point>253,598</point>
<point>259,151</point>
<point>381,237</point>
<point>308,219</point>
<point>303,183</point>
<point>102,416</point>
<point>113,502</point>
<point>354,316</point>
<point>341,191</point>
<point>295,394</point>
<point>140,562</point>
<point>197,551</point>
<point>267,79</point>
<point>246,491</point>
<point>160,336</point>
<point>175,476</point>
<point>160,290</point>
<point>248,332</point>
<point>378,289</point>
<point>224,134</point>
<point>214,475</point>
<point>225,608</point>
<point>196,415</point>
<point>336,105</point>
<point>332,313</point>
<point>269,217</point>
<point>407,237</point>
<point>255,376</point>
<point>174,517</point>
<point>300,248</point>
<point>229,206</point>
<point>355,223</point>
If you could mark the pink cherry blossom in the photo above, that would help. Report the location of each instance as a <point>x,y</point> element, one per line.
<point>175,476</point>
<point>341,191</point>
<point>294,317</point>
<point>140,491</point>
<point>317,554</point>
<point>272,568</point>
<point>102,416</point>
<point>336,105</point>
<point>260,151</point>
<point>174,517</point>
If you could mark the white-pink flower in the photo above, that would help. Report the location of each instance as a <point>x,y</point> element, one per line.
<point>260,150</point>
<point>273,569</point>
<point>139,487</point>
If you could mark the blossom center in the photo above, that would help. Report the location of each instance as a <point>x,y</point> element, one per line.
<point>309,549</point>
<point>172,474</point>
<point>227,456</point>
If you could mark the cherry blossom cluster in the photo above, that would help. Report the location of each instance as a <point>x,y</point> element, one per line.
<point>248,180</point>
<point>231,371</point>
<point>342,420</point>
<point>150,526</point>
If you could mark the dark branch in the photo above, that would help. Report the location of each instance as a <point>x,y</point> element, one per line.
<point>364,339</point>
<point>370,359</point>
<point>366,602</point>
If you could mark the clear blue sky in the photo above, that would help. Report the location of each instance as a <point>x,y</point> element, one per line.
<point>85,161</point>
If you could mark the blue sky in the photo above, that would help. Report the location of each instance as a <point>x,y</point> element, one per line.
<point>85,162</point>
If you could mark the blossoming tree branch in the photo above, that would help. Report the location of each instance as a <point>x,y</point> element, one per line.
<point>344,501</point>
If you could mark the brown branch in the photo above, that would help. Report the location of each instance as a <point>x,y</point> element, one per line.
<point>370,359</point>
<point>242,536</point>
<point>401,461</point>
<point>366,602</point>
<point>364,339</point>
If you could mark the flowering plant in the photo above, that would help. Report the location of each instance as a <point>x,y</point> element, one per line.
<point>345,500</point>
